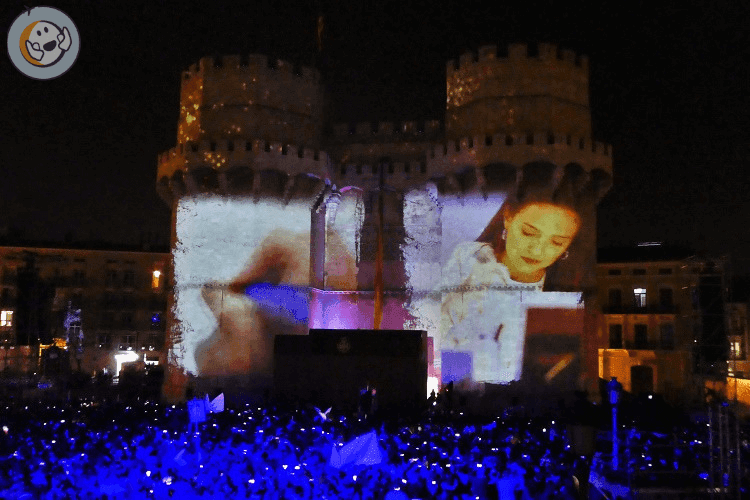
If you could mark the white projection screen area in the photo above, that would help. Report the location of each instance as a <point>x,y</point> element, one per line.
<point>476,267</point>
<point>475,279</point>
<point>242,276</point>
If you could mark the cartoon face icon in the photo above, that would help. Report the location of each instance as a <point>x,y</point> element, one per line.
<point>44,43</point>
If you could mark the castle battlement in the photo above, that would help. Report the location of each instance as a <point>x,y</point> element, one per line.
<point>395,130</point>
<point>518,92</point>
<point>256,64</point>
<point>518,53</point>
<point>403,170</point>
<point>519,149</point>
<point>250,96</point>
<point>256,154</point>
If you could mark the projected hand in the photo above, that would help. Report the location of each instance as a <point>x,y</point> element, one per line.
<point>243,340</point>
<point>267,298</point>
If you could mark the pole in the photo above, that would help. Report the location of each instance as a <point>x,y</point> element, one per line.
<point>615,440</point>
<point>722,447</point>
<point>711,471</point>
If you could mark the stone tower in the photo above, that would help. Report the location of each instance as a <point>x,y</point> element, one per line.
<point>249,171</point>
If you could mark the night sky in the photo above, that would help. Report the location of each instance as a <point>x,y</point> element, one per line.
<point>669,91</point>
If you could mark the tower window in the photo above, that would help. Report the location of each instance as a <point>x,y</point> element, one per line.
<point>156,279</point>
<point>508,140</point>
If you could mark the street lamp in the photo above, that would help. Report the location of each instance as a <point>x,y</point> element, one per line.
<point>614,388</point>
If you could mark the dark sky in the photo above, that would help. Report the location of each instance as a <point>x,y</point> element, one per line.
<point>669,91</point>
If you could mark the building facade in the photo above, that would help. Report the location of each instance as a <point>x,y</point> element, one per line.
<point>370,212</point>
<point>662,327</point>
<point>106,307</point>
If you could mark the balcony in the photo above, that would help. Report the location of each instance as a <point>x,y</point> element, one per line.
<point>649,346</point>
<point>650,309</point>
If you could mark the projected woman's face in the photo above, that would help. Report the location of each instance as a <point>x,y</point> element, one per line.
<point>537,235</point>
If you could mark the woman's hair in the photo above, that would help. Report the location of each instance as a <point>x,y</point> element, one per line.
<point>538,185</point>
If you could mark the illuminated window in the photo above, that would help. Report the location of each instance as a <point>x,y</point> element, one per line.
<point>640,297</point>
<point>736,346</point>
<point>6,319</point>
<point>156,279</point>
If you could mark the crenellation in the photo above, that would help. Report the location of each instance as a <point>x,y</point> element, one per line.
<point>285,68</point>
<point>517,51</point>
<point>505,105</point>
<point>487,53</point>
<point>432,127</point>
<point>385,128</point>
<point>547,51</point>
<point>466,60</point>
<point>257,61</point>
<point>340,129</point>
<point>232,61</point>
<point>363,129</point>
<point>409,127</point>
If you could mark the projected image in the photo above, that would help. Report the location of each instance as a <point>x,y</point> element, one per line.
<point>495,251</point>
<point>514,250</point>
<point>242,276</point>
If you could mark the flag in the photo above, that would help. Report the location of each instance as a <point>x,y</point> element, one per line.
<point>362,450</point>
<point>217,405</point>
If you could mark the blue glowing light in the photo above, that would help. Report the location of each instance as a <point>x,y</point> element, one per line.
<point>285,301</point>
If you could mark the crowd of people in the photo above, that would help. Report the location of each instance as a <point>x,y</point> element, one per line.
<point>143,449</point>
<point>147,450</point>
